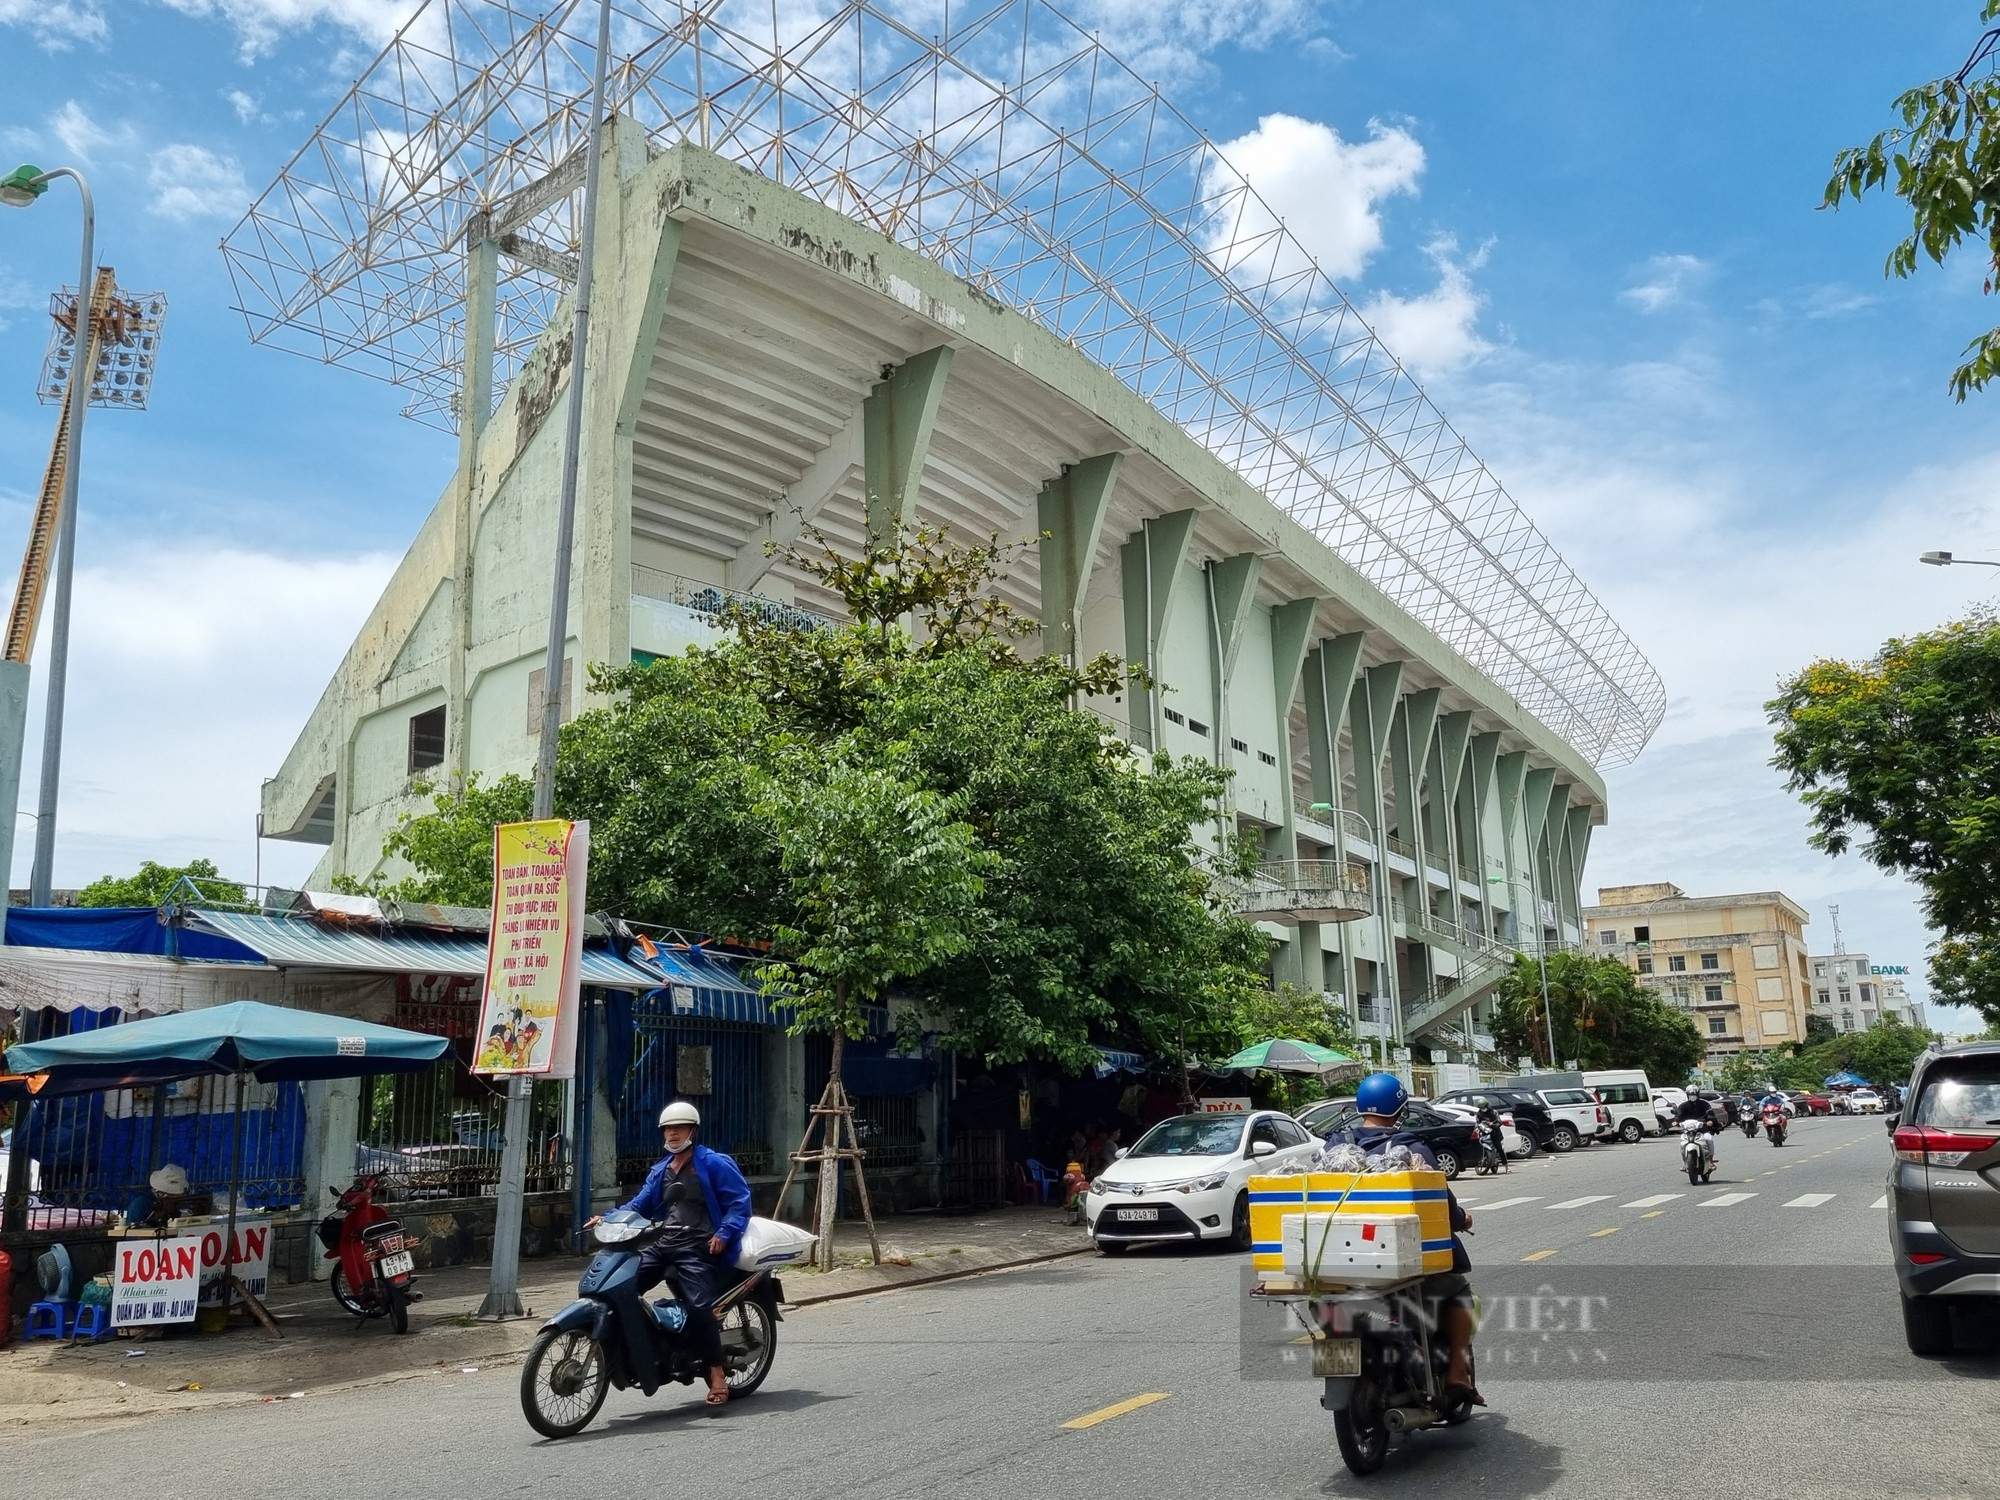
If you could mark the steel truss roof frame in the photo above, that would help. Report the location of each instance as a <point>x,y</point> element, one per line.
<point>1002,141</point>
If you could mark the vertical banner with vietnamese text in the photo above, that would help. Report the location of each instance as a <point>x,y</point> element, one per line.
<point>534,954</point>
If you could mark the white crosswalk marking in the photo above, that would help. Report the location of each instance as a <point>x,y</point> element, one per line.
<point>1511,1202</point>
<point>1655,1201</point>
<point>1811,1200</point>
<point>1881,1202</point>
<point>1578,1202</point>
<point>1724,1200</point>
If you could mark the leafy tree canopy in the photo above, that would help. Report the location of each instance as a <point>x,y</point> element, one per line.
<point>149,887</point>
<point>1898,758</point>
<point>1603,1018</point>
<point>805,786</point>
<point>1943,161</point>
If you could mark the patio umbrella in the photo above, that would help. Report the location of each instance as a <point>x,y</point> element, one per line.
<point>1282,1055</point>
<point>245,1038</point>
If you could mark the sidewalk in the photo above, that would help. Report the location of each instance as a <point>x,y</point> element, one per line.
<point>324,1351</point>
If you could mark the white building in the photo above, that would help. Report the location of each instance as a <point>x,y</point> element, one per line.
<point>1853,994</point>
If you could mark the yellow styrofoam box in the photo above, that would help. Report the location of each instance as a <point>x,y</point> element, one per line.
<point>1421,1193</point>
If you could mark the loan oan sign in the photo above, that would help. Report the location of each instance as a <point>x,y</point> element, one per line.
<point>534,954</point>
<point>159,1279</point>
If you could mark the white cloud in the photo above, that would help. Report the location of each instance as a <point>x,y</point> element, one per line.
<point>192,669</point>
<point>1668,279</point>
<point>248,107</point>
<point>57,24</point>
<point>1168,41</point>
<point>260,23</point>
<point>1434,334</point>
<point>193,182</point>
<point>1322,188</point>
<point>81,136</point>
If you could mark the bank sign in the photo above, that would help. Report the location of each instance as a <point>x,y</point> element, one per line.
<point>1888,968</point>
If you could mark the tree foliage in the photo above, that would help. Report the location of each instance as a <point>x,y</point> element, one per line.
<point>1898,758</point>
<point>1603,1018</point>
<point>1884,1053</point>
<point>737,789</point>
<point>151,884</point>
<point>1301,1015</point>
<point>1943,161</point>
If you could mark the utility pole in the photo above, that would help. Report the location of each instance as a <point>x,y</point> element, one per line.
<point>503,1291</point>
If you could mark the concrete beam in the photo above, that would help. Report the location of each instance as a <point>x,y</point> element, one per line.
<point>1070,514</point>
<point>544,258</point>
<point>475,403</point>
<point>897,420</point>
<point>1329,679</point>
<point>1150,563</point>
<point>1291,630</point>
<point>803,500</point>
<point>1235,584</point>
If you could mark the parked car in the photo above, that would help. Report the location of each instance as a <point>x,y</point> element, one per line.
<point>1188,1179</point>
<point>1815,1104</point>
<point>1944,1219</point>
<point>1453,1138</point>
<point>1665,1102</point>
<point>1531,1116</point>
<point>1628,1094</point>
<point>1577,1116</point>
<point>1865,1102</point>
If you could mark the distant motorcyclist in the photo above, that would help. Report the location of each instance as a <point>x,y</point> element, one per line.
<point>1380,1098</point>
<point>1697,1109</point>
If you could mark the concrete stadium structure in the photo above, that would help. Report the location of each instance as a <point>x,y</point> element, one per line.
<point>761,362</point>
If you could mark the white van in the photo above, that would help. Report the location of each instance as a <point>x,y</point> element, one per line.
<point>1628,1094</point>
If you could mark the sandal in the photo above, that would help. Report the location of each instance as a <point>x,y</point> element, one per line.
<point>1454,1394</point>
<point>717,1398</point>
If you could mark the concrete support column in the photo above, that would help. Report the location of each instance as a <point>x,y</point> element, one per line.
<point>785,1112</point>
<point>475,401</point>
<point>333,1125</point>
<point>897,420</point>
<point>605,1191</point>
<point>1070,512</point>
<point>1150,566</point>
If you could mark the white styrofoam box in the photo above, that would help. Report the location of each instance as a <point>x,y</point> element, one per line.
<point>1361,1249</point>
<point>768,1244</point>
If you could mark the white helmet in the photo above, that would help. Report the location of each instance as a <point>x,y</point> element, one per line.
<point>680,1112</point>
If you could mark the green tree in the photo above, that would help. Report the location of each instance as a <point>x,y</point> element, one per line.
<point>1603,1018</point>
<point>1898,758</point>
<point>1819,1029</point>
<point>149,887</point>
<point>1301,1015</point>
<point>1888,1050</point>
<point>1943,161</point>
<point>691,774</point>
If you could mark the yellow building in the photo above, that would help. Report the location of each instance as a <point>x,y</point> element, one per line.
<point>1736,964</point>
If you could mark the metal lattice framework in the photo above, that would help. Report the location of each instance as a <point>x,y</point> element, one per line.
<point>1002,141</point>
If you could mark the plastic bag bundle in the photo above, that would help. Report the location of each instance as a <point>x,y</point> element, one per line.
<point>1395,1158</point>
<point>1345,1157</point>
<point>1294,1167</point>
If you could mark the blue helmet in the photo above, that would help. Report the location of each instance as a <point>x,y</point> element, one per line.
<point>1381,1094</point>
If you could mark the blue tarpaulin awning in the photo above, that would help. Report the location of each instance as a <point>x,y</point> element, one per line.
<point>291,942</point>
<point>1110,1061</point>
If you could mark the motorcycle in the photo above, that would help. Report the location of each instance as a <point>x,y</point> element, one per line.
<point>1749,1124</point>
<point>1774,1124</point>
<point>1383,1360</point>
<point>374,1272</point>
<point>1695,1159</point>
<point>1492,1149</point>
<point>610,1336</point>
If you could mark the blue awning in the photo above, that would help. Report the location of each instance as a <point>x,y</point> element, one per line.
<point>1109,1062</point>
<point>695,982</point>
<point>292,943</point>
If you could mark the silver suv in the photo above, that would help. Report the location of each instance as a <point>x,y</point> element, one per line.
<point>1944,1224</point>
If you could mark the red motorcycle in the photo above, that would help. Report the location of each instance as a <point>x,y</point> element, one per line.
<point>1774,1123</point>
<point>372,1277</point>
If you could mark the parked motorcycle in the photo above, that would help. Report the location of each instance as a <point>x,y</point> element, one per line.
<point>1384,1361</point>
<point>1774,1124</point>
<point>610,1336</point>
<point>1694,1153</point>
<point>373,1275</point>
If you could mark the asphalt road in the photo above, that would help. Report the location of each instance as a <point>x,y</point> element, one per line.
<point>1740,1339</point>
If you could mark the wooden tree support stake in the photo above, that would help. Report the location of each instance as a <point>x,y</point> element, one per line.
<point>832,1123</point>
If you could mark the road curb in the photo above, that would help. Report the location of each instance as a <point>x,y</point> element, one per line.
<point>957,1273</point>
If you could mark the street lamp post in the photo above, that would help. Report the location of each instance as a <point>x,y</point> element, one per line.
<point>1946,559</point>
<point>19,189</point>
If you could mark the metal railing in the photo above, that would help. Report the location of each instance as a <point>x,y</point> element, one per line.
<point>712,599</point>
<point>1302,890</point>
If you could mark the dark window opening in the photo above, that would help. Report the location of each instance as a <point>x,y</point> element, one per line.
<point>1267,757</point>
<point>1235,744</point>
<point>1198,727</point>
<point>426,740</point>
<point>1175,716</point>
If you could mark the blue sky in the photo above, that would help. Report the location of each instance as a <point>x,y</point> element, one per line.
<point>1592,228</point>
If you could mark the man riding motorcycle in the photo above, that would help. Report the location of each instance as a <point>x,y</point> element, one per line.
<point>1694,1107</point>
<point>715,1208</point>
<point>1380,1098</point>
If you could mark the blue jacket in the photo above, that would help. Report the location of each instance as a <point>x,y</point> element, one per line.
<point>722,1188</point>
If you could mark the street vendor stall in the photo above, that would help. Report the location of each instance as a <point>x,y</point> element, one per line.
<point>244,1040</point>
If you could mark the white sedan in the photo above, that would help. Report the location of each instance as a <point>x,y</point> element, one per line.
<point>1865,1102</point>
<point>1188,1178</point>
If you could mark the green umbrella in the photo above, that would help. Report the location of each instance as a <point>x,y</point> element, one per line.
<point>1283,1055</point>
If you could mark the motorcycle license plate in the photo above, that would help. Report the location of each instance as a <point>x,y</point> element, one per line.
<point>392,1266</point>
<point>1336,1357</point>
<point>1138,1216</point>
<point>389,1244</point>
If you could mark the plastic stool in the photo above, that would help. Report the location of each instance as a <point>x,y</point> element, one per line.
<point>49,1320</point>
<point>93,1322</point>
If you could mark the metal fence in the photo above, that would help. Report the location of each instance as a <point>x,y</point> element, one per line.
<point>716,1065</point>
<point>90,1154</point>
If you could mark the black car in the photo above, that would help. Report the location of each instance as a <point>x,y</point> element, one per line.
<point>1531,1117</point>
<point>1454,1142</point>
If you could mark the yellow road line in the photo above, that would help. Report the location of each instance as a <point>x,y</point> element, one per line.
<point>1538,1255</point>
<point>1118,1410</point>
<point>1598,1234</point>
<point>1654,1214</point>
